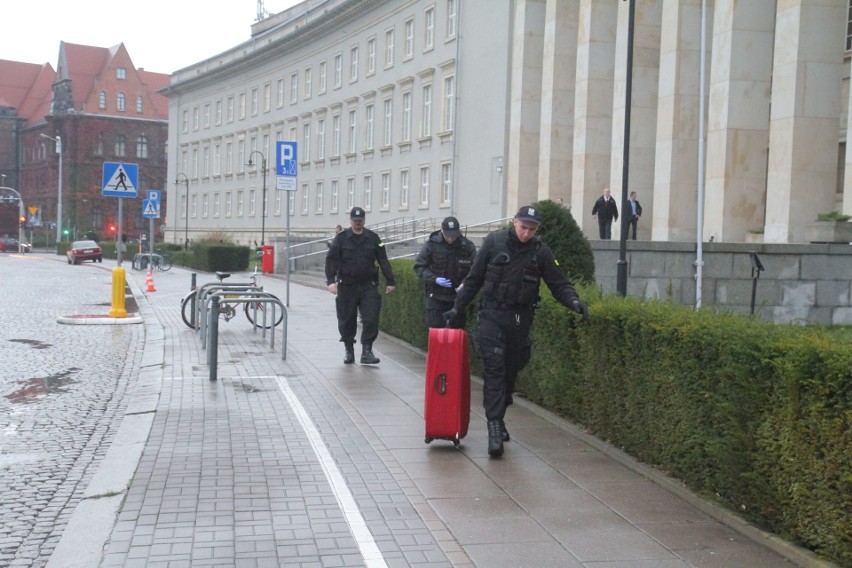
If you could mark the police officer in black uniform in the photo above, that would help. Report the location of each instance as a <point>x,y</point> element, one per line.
<point>442,265</point>
<point>508,269</point>
<point>351,274</point>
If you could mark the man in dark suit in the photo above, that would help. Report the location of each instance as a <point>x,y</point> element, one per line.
<point>635,211</point>
<point>606,212</point>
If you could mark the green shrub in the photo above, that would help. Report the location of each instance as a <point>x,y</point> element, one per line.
<point>570,247</point>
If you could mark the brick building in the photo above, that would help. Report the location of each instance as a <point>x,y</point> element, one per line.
<point>103,109</point>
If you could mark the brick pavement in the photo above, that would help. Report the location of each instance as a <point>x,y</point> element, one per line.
<point>307,462</point>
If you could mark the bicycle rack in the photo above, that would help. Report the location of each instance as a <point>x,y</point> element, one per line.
<point>246,297</point>
<point>137,259</point>
<point>206,289</point>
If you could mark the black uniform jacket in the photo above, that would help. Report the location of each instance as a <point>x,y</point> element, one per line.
<point>352,259</point>
<point>516,272</point>
<point>438,258</point>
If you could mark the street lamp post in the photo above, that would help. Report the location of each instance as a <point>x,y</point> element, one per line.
<point>186,209</point>
<point>58,141</point>
<point>263,202</point>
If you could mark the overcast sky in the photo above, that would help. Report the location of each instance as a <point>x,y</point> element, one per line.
<point>160,35</point>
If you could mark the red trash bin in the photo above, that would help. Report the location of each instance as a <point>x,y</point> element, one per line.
<point>267,262</point>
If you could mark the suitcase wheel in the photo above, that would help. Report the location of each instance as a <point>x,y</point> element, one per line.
<point>428,440</point>
<point>457,443</point>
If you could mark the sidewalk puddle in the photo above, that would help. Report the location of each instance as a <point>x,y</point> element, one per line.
<point>34,343</point>
<point>37,388</point>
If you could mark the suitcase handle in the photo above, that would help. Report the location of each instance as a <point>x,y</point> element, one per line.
<point>441,383</point>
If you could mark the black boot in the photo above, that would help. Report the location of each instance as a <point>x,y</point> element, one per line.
<point>367,357</point>
<point>495,438</point>
<point>349,357</point>
<point>506,437</point>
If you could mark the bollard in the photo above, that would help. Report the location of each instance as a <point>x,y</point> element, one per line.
<point>213,352</point>
<point>118,282</point>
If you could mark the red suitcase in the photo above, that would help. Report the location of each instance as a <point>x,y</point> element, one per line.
<point>447,403</point>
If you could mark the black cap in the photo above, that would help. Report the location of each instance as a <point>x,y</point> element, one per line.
<point>450,227</point>
<point>528,213</point>
<point>357,213</point>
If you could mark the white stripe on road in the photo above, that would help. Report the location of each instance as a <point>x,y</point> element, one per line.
<point>363,538</point>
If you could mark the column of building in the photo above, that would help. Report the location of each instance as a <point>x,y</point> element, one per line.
<point>525,104</point>
<point>805,116</point>
<point>592,106</point>
<point>645,86</point>
<point>738,124</point>
<point>557,99</point>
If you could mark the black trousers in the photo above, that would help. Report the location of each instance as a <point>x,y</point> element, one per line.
<point>605,226</point>
<point>633,222</point>
<point>435,314</point>
<point>503,338</point>
<point>352,298</point>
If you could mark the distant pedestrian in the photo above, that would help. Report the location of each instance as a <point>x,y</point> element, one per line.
<point>351,274</point>
<point>606,211</point>
<point>442,265</point>
<point>635,212</point>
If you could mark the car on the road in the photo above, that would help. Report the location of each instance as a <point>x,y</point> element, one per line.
<point>84,250</point>
<point>8,244</point>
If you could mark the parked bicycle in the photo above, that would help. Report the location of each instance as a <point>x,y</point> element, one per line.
<point>254,310</point>
<point>157,261</point>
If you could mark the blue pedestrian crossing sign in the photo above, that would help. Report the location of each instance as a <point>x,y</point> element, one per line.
<point>150,209</point>
<point>120,180</point>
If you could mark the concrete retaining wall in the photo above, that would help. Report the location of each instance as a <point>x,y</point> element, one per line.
<point>801,283</point>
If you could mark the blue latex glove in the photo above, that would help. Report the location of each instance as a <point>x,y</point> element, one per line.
<point>445,282</point>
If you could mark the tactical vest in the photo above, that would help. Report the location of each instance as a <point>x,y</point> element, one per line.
<point>511,282</point>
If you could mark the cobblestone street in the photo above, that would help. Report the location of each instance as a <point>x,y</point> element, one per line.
<point>61,389</point>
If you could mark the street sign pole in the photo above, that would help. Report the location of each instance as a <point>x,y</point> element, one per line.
<point>118,234</point>
<point>286,171</point>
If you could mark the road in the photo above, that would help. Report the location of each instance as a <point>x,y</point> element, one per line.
<point>61,393</point>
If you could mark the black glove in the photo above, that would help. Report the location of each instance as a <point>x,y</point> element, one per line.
<point>450,316</point>
<point>581,309</point>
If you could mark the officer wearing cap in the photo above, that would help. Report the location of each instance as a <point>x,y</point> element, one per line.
<point>351,274</point>
<point>508,268</point>
<point>442,264</point>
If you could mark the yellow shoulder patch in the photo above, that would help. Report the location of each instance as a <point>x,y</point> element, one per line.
<point>556,262</point>
<point>381,244</point>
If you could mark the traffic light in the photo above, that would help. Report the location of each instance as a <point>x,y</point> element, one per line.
<point>113,229</point>
<point>23,221</point>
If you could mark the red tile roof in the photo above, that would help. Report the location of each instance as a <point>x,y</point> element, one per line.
<point>26,87</point>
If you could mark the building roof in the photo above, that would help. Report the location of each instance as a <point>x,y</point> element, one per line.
<point>26,87</point>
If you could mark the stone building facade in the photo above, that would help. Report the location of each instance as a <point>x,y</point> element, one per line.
<point>424,108</point>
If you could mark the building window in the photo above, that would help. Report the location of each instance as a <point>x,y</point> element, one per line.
<point>218,113</point>
<point>278,202</point>
<point>267,97</point>
<point>230,109</point>
<point>389,48</point>
<point>204,203</point>
<point>353,132</point>
<point>242,108</point>
<point>318,197</point>
<point>353,64</point>
<point>429,29</point>
<point>403,189</point>
<point>217,160</point>
<point>291,203</point>
<point>119,102</point>
<point>195,118</point>
<point>294,88</point>
<point>254,102</point>
<point>215,204</point>
<point>321,139</point>
<point>139,108</point>
<point>195,162</point>
<point>350,193</point>
<point>371,56</point>
<point>120,143</point>
<point>449,103</point>
<point>406,116</point>
<point>241,156</point>
<point>207,115</point>
<point>205,162</point>
<point>335,195</point>
<point>229,158</point>
<point>408,47</point>
<point>306,142</point>
<point>141,146</point>
<point>194,206</point>
<point>386,190</point>
<point>252,209</point>
<point>424,186</point>
<point>306,199</point>
<point>240,203</point>
<point>849,29</point>
<point>368,192</point>
<point>227,204</point>
<point>451,19</point>
<point>308,82</point>
<point>323,72</point>
<point>185,122</point>
<point>121,73</point>
<point>370,120</point>
<point>279,93</point>
<point>387,124</point>
<point>446,183</point>
<point>426,112</point>
<point>338,70</point>
<point>99,148</point>
<point>335,135</point>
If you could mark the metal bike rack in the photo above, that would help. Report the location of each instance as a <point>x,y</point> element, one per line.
<point>206,289</point>
<point>213,316</point>
<point>245,297</point>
